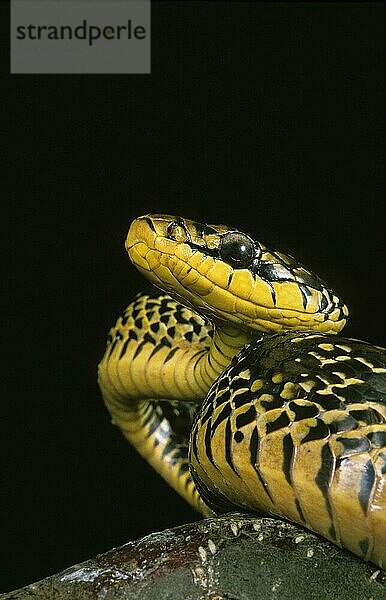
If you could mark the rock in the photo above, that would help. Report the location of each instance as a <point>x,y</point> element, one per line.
<point>233,557</point>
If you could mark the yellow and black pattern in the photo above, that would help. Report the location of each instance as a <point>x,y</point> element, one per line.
<point>289,419</point>
<point>296,427</point>
<point>151,332</point>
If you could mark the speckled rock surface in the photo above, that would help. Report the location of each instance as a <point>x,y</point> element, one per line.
<point>234,557</point>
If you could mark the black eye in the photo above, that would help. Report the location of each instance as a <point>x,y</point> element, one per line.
<point>237,249</point>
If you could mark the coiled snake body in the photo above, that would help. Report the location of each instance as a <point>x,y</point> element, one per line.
<point>290,418</point>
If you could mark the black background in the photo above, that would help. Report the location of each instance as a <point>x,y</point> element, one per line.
<point>264,116</point>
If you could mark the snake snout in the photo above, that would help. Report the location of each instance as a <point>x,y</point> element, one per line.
<point>138,232</point>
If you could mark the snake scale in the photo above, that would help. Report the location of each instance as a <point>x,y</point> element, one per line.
<point>234,385</point>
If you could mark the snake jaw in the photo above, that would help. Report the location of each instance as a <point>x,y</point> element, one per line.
<point>275,293</point>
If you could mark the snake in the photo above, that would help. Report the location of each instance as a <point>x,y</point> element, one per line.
<point>233,382</point>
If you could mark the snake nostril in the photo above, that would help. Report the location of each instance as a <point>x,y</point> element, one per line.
<point>323,303</point>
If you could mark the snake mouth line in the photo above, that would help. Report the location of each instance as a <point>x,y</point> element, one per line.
<point>210,295</point>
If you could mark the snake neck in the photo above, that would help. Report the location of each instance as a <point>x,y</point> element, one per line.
<point>175,354</point>
<point>159,350</point>
<point>227,341</point>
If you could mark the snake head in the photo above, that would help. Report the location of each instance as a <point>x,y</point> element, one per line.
<point>228,276</point>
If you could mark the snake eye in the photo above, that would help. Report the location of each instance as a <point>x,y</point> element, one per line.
<point>237,249</point>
